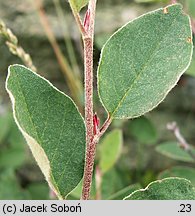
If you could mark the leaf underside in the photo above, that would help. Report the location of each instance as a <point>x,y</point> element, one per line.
<point>52,126</point>
<point>143,61</point>
<point>166,189</point>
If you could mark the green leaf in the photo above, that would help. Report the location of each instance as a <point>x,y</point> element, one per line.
<point>4,126</point>
<point>110,150</point>
<point>191,7</point>
<point>143,130</point>
<point>52,126</point>
<point>111,183</point>
<point>12,158</point>
<point>15,138</point>
<point>76,193</point>
<point>38,191</point>
<point>179,171</point>
<point>174,151</point>
<point>10,188</point>
<point>143,61</point>
<point>124,192</point>
<point>78,4</point>
<point>166,189</point>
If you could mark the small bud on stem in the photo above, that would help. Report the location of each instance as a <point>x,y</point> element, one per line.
<point>86,22</point>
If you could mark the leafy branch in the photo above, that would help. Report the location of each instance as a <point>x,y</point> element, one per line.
<point>136,71</point>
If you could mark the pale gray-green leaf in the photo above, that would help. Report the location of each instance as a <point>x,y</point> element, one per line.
<point>174,151</point>
<point>143,61</point>
<point>166,189</point>
<point>110,150</point>
<point>52,126</point>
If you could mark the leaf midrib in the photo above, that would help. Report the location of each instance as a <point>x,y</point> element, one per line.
<point>38,138</point>
<point>142,70</point>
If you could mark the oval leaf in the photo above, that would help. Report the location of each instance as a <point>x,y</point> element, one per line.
<point>52,126</point>
<point>143,61</point>
<point>78,4</point>
<point>174,151</point>
<point>110,149</point>
<point>166,189</point>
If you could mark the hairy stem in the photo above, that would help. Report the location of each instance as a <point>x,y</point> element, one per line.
<point>90,142</point>
<point>91,146</point>
<point>93,133</point>
<point>105,126</point>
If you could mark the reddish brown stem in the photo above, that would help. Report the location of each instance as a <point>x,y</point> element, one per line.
<point>90,157</point>
<point>105,126</point>
<point>91,146</point>
<point>90,143</point>
<point>87,31</point>
<point>88,53</point>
